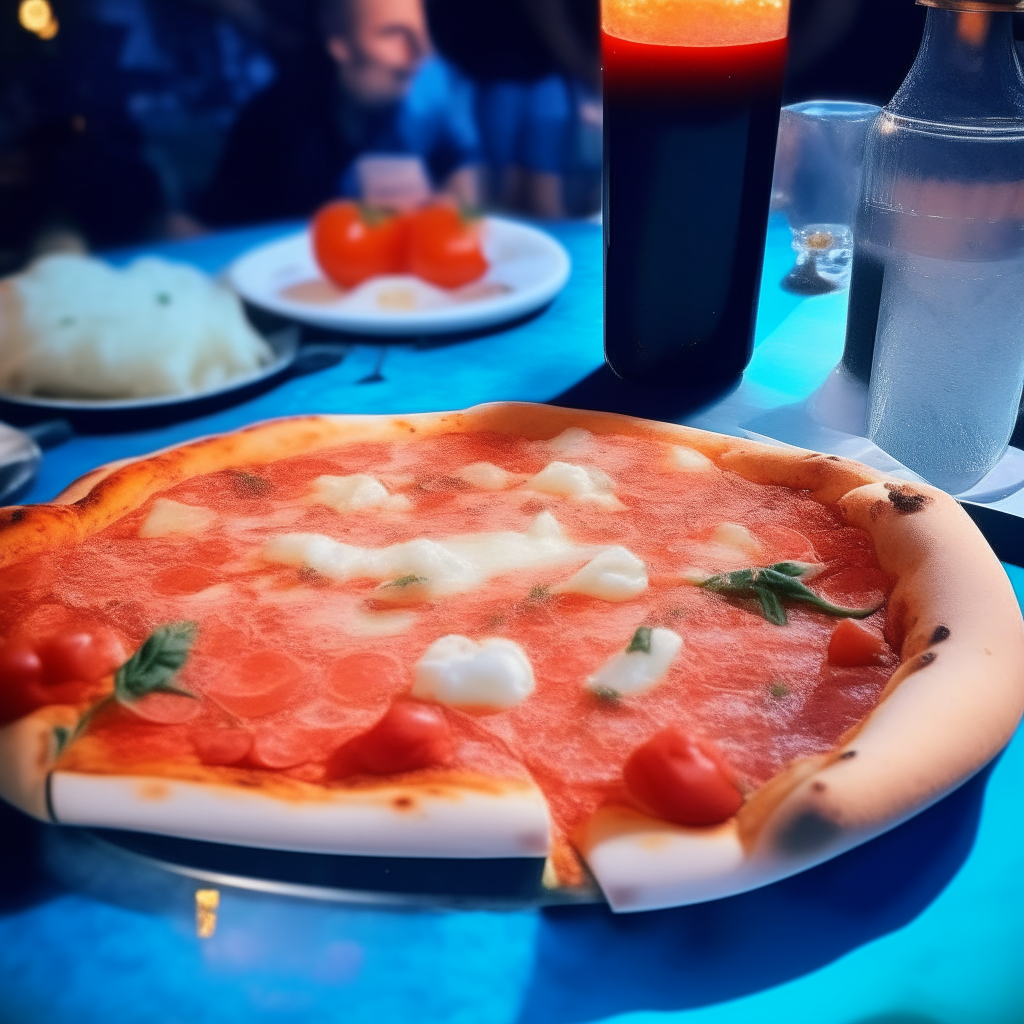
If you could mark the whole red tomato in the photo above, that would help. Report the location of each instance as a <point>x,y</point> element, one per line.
<point>681,779</point>
<point>354,243</point>
<point>444,247</point>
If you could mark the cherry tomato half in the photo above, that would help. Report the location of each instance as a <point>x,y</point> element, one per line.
<point>681,779</point>
<point>853,644</point>
<point>64,668</point>
<point>353,244</point>
<point>81,655</point>
<point>444,247</point>
<point>409,736</point>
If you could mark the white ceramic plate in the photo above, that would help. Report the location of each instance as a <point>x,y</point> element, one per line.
<point>130,413</point>
<point>528,269</point>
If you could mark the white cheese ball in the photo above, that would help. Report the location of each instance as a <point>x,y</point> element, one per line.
<point>494,674</point>
<point>487,477</point>
<point>169,517</point>
<point>630,672</point>
<point>616,574</point>
<point>351,493</point>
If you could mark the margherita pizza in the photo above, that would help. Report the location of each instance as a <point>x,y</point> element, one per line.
<point>692,663</point>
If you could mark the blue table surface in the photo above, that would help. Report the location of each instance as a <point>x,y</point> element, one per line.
<point>923,926</point>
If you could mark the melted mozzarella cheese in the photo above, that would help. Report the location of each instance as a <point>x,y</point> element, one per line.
<point>615,574</point>
<point>493,674</point>
<point>169,517</point>
<point>631,672</point>
<point>487,477</point>
<point>451,565</point>
<point>582,482</point>
<point>351,493</point>
<point>571,441</point>
<point>735,536</point>
<point>691,460</point>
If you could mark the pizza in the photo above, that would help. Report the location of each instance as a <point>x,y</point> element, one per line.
<point>676,662</point>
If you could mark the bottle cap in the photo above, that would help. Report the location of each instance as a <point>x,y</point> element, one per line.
<point>993,6</point>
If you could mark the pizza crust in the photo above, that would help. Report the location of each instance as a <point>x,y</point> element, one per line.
<point>492,819</point>
<point>949,707</point>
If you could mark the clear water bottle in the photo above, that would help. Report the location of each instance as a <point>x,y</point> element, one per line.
<point>936,321</point>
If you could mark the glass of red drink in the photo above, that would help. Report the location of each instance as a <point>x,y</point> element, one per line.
<point>692,91</point>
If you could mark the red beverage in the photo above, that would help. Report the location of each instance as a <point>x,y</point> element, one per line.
<point>692,90</point>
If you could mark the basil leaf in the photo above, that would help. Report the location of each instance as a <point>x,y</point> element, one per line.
<point>60,738</point>
<point>793,568</point>
<point>154,665</point>
<point>406,581</point>
<point>777,583</point>
<point>641,641</point>
<point>771,606</point>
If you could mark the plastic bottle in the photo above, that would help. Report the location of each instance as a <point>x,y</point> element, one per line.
<point>936,319</point>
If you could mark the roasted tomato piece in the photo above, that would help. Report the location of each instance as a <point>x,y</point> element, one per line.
<point>409,736</point>
<point>853,644</point>
<point>65,668</point>
<point>80,656</point>
<point>681,779</point>
<point>21,681</point>
<point>444,247</point>
<point>353,243</point>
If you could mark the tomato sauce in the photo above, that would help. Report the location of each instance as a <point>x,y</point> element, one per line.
<point>291,665</point>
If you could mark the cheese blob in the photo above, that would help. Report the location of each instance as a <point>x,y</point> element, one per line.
<point>487,477</point>
<point>634,671</point>
<point>172,517</point>
<point>616,574</point>
<point>492,675</point>
<point>690,460</point>
<point>581,482</point>
<point>429,568</point>
<point>571,441</point>
<point>351,493</point>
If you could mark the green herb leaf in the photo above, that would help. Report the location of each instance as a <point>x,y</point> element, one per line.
<point>641,641</point>
<point>774,584</point>
<point>771,606</point>
<point>406,581</point>
<point>777,691</point>
<point>154,665</point>
<point>60,738</point>
<point>607,694</point>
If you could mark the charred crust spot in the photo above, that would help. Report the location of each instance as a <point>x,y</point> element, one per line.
<point>926,659</point>
<point>876,509</point>
<point>402,803</point>
<point>818,787</point>
<point>941,633</point>
<point>833,458</point>
<point>808,833</point>
<point>847,754</point>
<point>905,501</point>
<point>249,485</point>
<point>17,515</point>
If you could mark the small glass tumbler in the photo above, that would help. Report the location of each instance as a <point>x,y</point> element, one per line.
<point>818,167</point>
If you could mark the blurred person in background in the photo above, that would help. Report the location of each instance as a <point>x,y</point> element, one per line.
<point>536,67</point>
<point>372,87</point>
<point>111,126</point>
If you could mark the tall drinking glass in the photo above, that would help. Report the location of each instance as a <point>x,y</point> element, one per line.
<point>692,91</point>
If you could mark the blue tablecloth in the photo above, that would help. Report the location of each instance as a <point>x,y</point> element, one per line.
<point>923,926</point>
